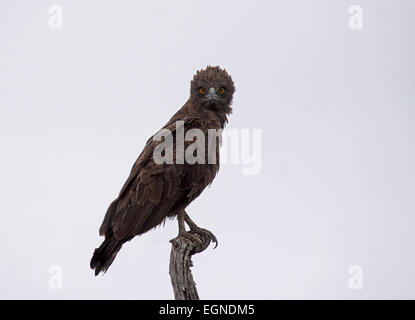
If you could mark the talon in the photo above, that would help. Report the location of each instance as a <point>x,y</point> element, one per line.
<point>191,237</point>
<point>205,233</point>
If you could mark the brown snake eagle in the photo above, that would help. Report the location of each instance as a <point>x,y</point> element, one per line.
<point>154,190</point>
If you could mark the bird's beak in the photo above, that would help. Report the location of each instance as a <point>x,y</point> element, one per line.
<point>212,95</point>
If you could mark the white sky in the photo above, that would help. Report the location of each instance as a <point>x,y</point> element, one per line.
<point>336,108</point>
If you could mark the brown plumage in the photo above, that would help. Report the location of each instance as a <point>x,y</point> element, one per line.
<point>155,191</point>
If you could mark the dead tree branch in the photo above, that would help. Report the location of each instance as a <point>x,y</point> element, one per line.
<point>182,249</point>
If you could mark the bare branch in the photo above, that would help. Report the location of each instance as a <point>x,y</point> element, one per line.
<point>183,248</point>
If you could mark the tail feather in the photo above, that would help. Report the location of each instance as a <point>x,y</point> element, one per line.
<point>105,254</point>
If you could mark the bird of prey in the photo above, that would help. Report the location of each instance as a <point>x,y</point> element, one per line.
<point>154,190</point>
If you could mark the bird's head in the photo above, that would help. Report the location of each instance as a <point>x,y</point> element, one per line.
<point>213,89</point>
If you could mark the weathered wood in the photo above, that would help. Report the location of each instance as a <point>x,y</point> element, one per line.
<point>182,249</point>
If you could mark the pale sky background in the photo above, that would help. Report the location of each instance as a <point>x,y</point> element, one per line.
<point>336,108</point>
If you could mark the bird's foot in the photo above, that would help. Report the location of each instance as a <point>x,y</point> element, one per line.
<point>206,235</point>
<point>196,240</point>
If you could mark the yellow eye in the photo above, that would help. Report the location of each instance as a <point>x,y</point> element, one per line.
<point>222,90</point>
<point>202,90</point>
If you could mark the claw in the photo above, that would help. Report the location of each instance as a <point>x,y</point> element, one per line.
<point>205,234</point>
<point>193,238</point>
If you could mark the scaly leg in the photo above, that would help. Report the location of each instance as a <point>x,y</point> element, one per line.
<point>182,230</point>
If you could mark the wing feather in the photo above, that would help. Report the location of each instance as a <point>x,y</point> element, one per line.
<point>153,192</point>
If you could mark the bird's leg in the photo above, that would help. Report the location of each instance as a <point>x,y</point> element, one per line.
<point>180,219</point>
<point>182,230</point>
<point>205,234</point>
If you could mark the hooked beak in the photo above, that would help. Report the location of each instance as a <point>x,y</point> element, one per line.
<point>212,95</point>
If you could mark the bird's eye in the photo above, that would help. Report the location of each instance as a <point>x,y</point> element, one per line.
<point>202,90</point>
<point>222,90</point>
